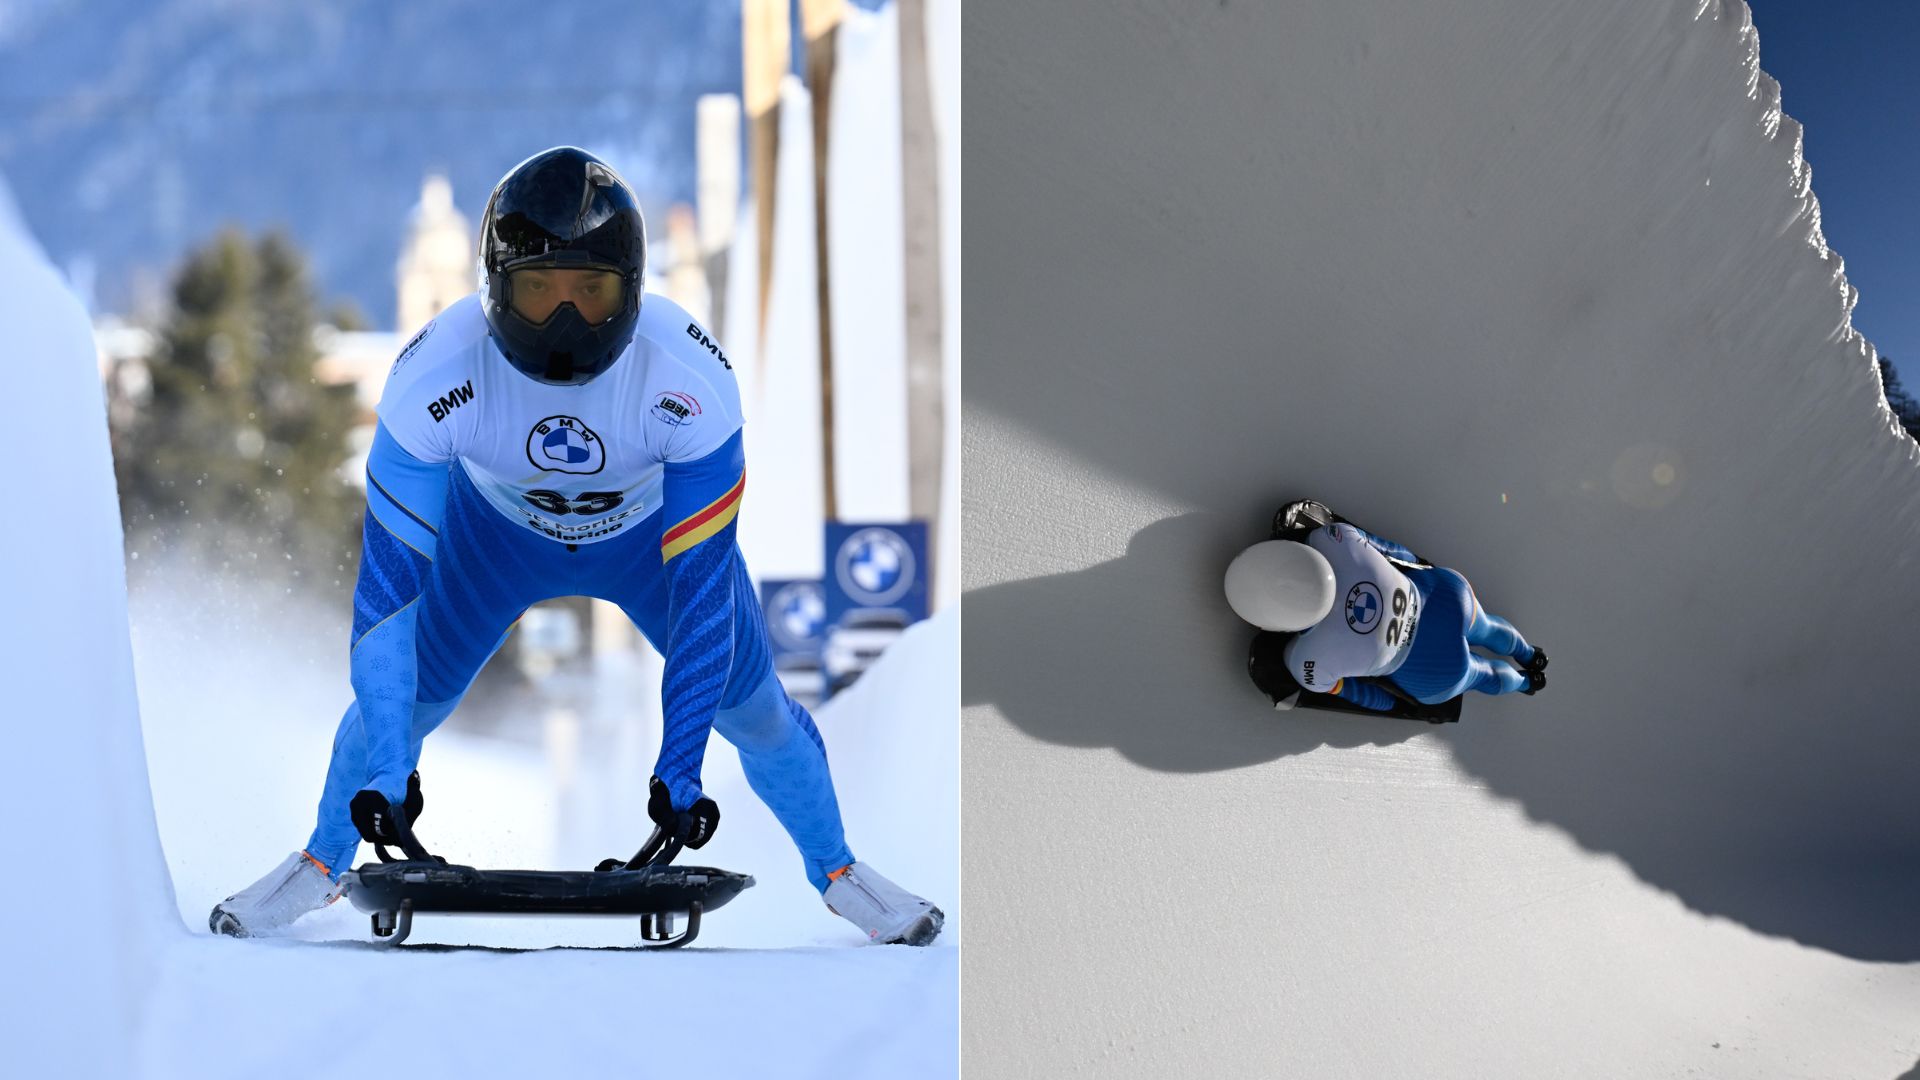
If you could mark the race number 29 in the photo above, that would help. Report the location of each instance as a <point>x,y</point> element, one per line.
<point>1399,610</point>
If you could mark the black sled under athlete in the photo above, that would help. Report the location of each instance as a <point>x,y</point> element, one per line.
<point>395,889</point>
<point>1266,656</point>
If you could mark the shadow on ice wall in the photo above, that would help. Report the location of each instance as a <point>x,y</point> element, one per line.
<point>1536,289</point>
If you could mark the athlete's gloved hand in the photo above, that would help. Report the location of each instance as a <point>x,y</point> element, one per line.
<point>1296,519</point>
<point>693,826</point>
<point>373,811</point>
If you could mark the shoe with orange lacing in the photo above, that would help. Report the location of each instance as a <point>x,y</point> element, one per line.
<point>298,885</point>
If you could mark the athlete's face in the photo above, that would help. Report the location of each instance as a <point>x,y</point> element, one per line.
<point>539,292</point>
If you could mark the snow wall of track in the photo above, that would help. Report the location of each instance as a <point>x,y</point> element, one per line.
<point>88,902</point>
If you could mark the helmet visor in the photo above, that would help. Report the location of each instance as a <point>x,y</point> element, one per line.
<point>536,292</point>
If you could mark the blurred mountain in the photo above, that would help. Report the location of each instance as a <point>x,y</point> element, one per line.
<point>131,130</point>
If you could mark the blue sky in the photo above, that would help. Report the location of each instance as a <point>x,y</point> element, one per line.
<point>1849,72</point>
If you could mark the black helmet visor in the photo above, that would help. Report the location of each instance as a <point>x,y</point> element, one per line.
<point>535,293</point>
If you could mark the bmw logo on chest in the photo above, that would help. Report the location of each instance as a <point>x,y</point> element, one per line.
<point>564,444</point>
<point>1363,607</point>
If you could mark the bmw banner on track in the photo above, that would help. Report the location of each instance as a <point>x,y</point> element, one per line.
<point>796,612</point>
<point>876,586</point>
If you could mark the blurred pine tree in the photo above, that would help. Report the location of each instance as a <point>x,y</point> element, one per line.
<point>1905,408</point>
<point>239,448</point>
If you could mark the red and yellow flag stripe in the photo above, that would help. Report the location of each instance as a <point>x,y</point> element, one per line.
<point>709,520</point>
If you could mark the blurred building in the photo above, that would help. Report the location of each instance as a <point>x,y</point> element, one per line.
<point>437,263</point>
<point>360,358</point>
<point>123,352</point>
<point>435,267</point>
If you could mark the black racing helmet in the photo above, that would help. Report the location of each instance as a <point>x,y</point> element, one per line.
<point>563,209</point>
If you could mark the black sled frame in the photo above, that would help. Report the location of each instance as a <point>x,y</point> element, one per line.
<point>392,890</point>
<point>1268,669</point>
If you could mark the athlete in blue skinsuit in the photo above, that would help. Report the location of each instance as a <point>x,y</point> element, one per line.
<point>563,433</point>
<point>1368,613</point>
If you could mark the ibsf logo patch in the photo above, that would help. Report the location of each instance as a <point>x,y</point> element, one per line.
<point>425,332</point>
<point>675,408</point>
<point>875,567</point>
<point>1364,608</point>
<point>565,444</point>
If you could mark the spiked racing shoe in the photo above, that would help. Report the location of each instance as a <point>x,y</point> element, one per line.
<point>885,912</point>
<point>298,885</point>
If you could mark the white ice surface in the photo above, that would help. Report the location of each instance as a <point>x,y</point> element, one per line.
<point>775,985</point>
<point>1537,288</point>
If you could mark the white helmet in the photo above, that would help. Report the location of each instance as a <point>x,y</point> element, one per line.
<point>1280,585</point>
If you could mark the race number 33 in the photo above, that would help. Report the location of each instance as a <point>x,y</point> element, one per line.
<point>586,504</point>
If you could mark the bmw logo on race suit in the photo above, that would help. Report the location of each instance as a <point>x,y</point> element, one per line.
<point>565,444</point>
<point>1363,607</point>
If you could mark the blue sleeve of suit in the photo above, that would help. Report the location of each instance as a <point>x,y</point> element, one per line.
<point>699,554</point>
<point>406,499</point>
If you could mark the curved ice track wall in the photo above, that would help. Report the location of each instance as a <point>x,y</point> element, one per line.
<point>89,904</point>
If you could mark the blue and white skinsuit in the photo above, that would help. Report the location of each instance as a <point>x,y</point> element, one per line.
<point>1397,619</point>
<point>488,491</point>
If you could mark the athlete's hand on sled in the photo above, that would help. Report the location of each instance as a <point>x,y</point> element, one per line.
<point>373,811</point>
<point>693,826</point>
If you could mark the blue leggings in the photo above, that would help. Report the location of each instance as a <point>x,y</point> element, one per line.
<point>1441,665</point>
<point>488,570</point>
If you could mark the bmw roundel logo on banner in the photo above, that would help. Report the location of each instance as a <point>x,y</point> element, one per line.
<point>797,615</point>
<point>876,565</point>
<point>565,444</point>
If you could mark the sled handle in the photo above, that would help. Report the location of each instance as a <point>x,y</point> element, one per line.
<point>659,850</point>
<point>410,844</point>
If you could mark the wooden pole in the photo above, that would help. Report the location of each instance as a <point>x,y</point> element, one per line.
<point>717,138</point>
<point>819,20</point>
<point>920,203</point>
<point>767,44</point>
